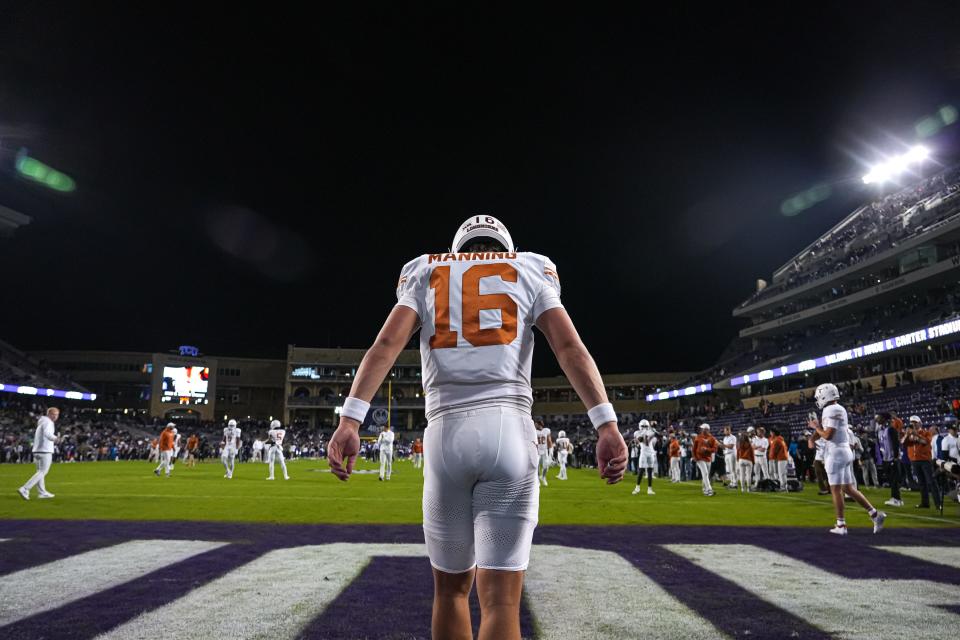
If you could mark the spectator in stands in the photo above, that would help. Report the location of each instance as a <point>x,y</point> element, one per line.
<point>918,442</point>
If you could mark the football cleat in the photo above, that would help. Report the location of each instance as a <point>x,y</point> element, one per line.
<point>23,493</point>
<point>270,478</point>
<point>636,490</point>
<point>878,521</point>
<point>840,530</point>
<point>650,491</point>
<point>45,496</point>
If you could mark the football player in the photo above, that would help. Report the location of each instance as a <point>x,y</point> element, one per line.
<point>544,444</point>
<point>229,446</point>
<point>745,460</point>
<point>673,450</point>
<point>176,448</point>
<point>385,442</point>
<point>730,456</point>
<point>704,448</point>
<point>760,446</point>
<point>647,461</point>
<point>275,452</point>
<point>838,457</point>
<point>476,308</point>
<point>167,438</point>
<point>417,451</point>
<point>563,450</point>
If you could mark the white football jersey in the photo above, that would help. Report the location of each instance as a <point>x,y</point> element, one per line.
<point>542,436</point>
<point>731,439</point>
<point>386,440</point>
<point>477,312</point>
<point>835,417</point>
<point>563,444</point>
<point>648,441</point>
<point>760,447</point>
<point>276,436</point>
<point>231,435</point>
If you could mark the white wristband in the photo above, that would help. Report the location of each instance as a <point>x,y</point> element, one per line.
<point>602,414</point>
<point>355,409</point>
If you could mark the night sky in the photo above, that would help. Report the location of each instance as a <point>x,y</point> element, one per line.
<point>251,178</point>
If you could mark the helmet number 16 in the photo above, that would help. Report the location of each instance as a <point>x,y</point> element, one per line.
<point>473,302</point>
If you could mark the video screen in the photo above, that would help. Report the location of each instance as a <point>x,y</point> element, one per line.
<point>184,382</point>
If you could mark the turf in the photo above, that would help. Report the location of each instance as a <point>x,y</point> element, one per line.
<point>130,491</point>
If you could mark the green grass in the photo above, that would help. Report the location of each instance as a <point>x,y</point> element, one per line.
<point>130,491</point>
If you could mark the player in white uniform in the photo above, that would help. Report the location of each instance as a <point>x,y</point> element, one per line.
<point>647,461</point>
<point>257,450</point>
<point>176,448</point>
<point>544,443</point>
<point>563,451</point>
<point>838,457</point>
<point>760,446</point>
<point>43,440</point>
<point>385,442</point>
<point>476,308</point>
<point>275,452</point>
<point>729,445</point>
<point>229,447</point>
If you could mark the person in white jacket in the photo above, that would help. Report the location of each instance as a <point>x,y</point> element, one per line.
<point>43,441</point>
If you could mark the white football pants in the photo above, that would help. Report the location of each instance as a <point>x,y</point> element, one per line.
<point>386,463</point>
<point>781,472</point>
<point>42,460</point>
<point>730,462</point>
<point>228,459</point>
<point>562,458</point>
<point>746,472</point>
<point>276,455</point>
<point>760,470</point>
<point>675,469</point>
<point>704,467</point>
<point>164,465</point>
<point>480,489</point>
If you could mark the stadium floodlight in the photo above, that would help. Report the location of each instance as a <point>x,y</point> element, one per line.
<point>896,165</point>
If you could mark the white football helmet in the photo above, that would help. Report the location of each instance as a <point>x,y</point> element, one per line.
<point>644,423</point>
<point>705,427</point>
<point>232,423</point>
<point>825,393</point>
<point>275,424</point>
<point>482,227</point>
<point>561,434</point>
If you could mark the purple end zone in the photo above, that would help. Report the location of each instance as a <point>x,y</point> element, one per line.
<point>400,589</point>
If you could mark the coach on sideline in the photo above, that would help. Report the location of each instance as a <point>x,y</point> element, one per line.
<point>43,441</point>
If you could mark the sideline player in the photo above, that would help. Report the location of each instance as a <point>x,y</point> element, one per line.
<point>193,445</point>
<point>385,444</point>
<point>229,446</point>
<point>43,440</point>
<point>544,444</point>
<point>417,453</point>
<point>154,455</point>
<point>704,448</point>
<point>777,458</point>
<point>838,457</point>
<point>275,452</point>
<point>647,460</point>
<point>167,437</point>
<point>745,460</point>
<point>257,450</point>
<point>760,445</point>
<point>176,448</point>
<point>730,456</point>
<point>673,450</point>
<point>476,311</point>
<point>563,451</point>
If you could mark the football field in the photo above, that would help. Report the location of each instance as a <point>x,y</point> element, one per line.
<point>120,553</point>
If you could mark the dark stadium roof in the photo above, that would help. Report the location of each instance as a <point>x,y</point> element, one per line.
<point>246,179</point>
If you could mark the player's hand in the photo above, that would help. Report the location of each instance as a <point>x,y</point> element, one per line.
<point>611,453</point>
<point>343,448</point>
<point>814,424</point>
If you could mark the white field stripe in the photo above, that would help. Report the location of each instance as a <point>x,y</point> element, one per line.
<point>947,556</point>
<point>843,607</point>
<point>48,586</point>
<point>274,596</point>
<point>597,587</point>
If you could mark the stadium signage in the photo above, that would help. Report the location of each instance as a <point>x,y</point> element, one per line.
<point>49,393</point>
<point>677,393</point>
<point>874,348</point>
